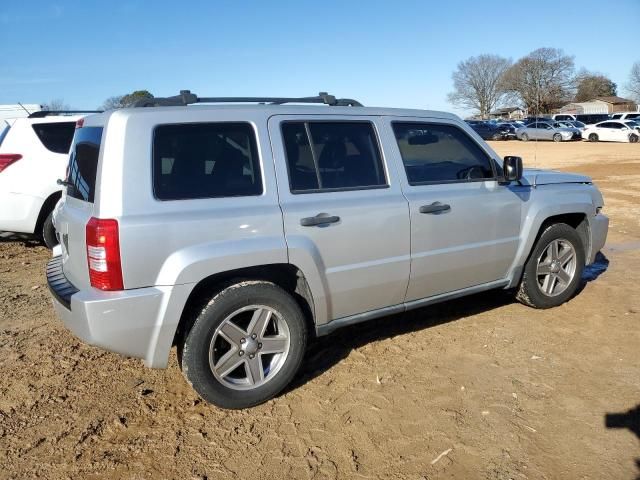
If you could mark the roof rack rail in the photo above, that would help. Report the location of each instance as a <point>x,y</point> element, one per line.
<point>188,98</point>
<point>46,113</point>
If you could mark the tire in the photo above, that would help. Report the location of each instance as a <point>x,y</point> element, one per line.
<point>48,232</point>
<point>552,292</point>
<point>593,137</point>
<point>633,138</point>
<point>207,355</point>
<point>557,137</point>
<point>524,137</point>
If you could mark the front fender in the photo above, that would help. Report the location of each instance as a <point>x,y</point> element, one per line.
<point>549,201</point>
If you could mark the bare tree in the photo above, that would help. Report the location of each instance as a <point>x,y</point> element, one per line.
<point>633,87</point>
<point>477,83</point>
<point>123,101</point>
<point>55,105</point>
<point>591,85</point>
<point>544,79</point>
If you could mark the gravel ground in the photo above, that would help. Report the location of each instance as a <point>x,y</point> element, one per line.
<point>480,387</point>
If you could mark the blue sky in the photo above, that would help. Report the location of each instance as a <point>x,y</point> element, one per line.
<point>380,52</point>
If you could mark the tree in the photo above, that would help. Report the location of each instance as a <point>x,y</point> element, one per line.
<point>477,83</point>
<point>592,85</point>
<point>123,101</point>
<point>634,82</point>
<point>543,80</point>
<point>55,105</point>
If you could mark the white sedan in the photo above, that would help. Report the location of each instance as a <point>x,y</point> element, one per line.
<point>611,131</point>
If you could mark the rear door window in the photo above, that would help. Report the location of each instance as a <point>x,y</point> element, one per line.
<point>439,153</point>
<point>324,156</point>
<point>205,160</point>
<point>83,163</point>
<point>56,137</point>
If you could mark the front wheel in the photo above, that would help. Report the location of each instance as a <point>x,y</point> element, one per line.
<point>593,137</point>
<point>524,137</point>
<point>553,271</point>
<point>245,346</point>
<point>633,138</point>
<point>557,137</point>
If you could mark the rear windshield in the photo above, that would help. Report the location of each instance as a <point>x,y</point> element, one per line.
<point>56,137</point>
<point>83,163</point>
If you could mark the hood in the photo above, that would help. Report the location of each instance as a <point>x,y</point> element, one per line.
<point>535,176</point>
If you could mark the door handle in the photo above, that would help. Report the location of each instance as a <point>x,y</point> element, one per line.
<point>320,219</point>
<point>435,207</point>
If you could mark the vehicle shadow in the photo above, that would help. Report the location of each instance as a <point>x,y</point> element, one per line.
<point>325,352</point>
<point>629,420</point>
<point>27,240</point>
<point>597,268</point>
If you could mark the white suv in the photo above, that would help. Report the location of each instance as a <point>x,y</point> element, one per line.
<point>34,153</point>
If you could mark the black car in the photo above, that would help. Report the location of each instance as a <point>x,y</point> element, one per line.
<point>488,130</point>
<point>592,118</point>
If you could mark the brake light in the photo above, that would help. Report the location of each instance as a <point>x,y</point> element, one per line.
<point>7,159</point>
<point>80,123</point>
<point>103,254</point>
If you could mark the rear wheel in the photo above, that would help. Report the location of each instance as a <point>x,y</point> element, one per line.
<point>245,346</point>
<point>633,138</point>
<point>557,137</point>
<point>48,232</point>
<point>553,272</point>
<point>593,137</point>
<point>524,137</point>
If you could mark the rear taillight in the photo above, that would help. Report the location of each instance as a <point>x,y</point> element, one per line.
<point>103,254</point>
<point>7,159</point>
<point>80,123</point>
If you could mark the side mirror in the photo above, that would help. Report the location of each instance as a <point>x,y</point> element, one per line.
<point>512,167</point>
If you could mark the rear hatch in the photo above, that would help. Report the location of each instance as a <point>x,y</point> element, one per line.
<point>77,208</point>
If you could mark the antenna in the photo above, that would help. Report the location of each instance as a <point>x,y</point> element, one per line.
<point>23,107</point>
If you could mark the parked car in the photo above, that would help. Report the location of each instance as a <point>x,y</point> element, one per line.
<point>489,130</point>
<point>34,152</point>
<point>592,118</point>
<point>563,116</point>
<point>611,131</point>
<point>554,131</point>
<point>238,232</point>
<point>625,116</point>
<point>635,124</point>
<point>509,129</point>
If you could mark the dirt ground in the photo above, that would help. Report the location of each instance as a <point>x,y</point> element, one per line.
<point>480,387</point>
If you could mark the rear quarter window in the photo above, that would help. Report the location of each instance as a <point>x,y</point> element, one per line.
<point>56,137</point>
<point>205,160</point>
<point>83,163</point>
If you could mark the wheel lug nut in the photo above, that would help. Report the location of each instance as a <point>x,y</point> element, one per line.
<point>254,336</point>
<point>259,345</point>
<point>251,356</point>
<point>241,352</point>
<point>242,340</point>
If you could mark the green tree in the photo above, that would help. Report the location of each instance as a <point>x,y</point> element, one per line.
<point>123,101</point>
<point>592,85</point>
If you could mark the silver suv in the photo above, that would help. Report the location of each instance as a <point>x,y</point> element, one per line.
<point>236,232</point>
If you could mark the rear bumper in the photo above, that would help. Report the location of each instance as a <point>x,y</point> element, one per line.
<point>19,212</point>
<point>599,230</point>
<point>138,323</point>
